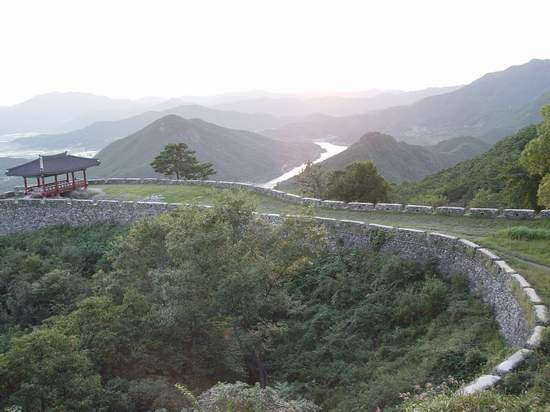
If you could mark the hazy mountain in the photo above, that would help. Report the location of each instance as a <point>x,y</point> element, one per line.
<point>99,134</point>
<point>8,182</point>
<point>331,105</point>
<point>398,161</point>
<point>236,154</point>
<point>490,108</point>
<point>64,111</point>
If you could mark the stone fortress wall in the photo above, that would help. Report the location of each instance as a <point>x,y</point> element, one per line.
<point>517,308</point>
<point>328,204</point>
<point>336,204</point>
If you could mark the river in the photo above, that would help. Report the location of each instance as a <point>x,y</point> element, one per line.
<point>329,151</point>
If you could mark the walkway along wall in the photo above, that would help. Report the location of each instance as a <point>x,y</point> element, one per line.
<point>517,308</point>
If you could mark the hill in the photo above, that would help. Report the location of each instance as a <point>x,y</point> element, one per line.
<point>100,134</point>
<point>494,106</point>
<point>331,105</point>
<point>487,171</point>
<point>398,161</point>
<point>236,154</point>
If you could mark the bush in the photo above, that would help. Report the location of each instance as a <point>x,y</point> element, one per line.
<point>525,233</point>
<point>242,397</point>
<point>486,198</point>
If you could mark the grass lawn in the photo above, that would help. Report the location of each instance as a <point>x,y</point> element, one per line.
<point>530,257</point>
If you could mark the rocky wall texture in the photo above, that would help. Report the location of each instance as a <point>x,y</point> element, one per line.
<point>517,308</point>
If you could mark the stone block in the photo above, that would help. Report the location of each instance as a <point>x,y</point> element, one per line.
<point>467,248</point>
<point>518,213</point>
<point>480,384</point>
<point>419,209</point>
<point>114,181</point>
<point>504,268</point>
<point>545,213</point>
<point>450,210</point>
<point>385,228</point>
<point>533,296</point>
<point>311,201</point>
<point>360,206</point>
<point>512,362</point>
<point>535,339</point>
<point>389,207</point>
<point>541,315</point>
<point>521,281</point>
<point>411,235</point>
<point>442,241</point>
<point>483,211</point>
<point>334,204</point>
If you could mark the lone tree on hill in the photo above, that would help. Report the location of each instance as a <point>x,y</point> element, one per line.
<point>178,159</point>
<point>359,182</point>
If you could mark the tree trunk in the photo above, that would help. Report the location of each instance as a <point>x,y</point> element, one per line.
<point>262,372</point>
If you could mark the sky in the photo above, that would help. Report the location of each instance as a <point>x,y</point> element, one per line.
<point>173,48</point>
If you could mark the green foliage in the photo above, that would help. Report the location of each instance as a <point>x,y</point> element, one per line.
<point>46,370</point>
<point>359,182</point>
<point>525,233</point>
<point>240,397</point>
<point>203,295</point>
<point>312,181</point>
<point>489,171</point>
<point>486,198</point>
<point>536,155</point>
<point>179,160</point>
<point>373,327</point>
<point>45,272</point>
<point>543,192</point>
<point>434,200</point>
<point>525,389</point>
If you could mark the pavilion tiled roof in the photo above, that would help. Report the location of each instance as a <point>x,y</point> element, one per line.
<point>52,165</point>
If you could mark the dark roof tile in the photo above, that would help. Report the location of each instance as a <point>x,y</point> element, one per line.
<point>52,165</point>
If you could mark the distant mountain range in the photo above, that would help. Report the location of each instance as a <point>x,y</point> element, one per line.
<point>399,161</point>
<point>7,182</point>
<point>489,108</point>
<point>331,105</point>
<point>56,112</point>
<point>236,154</point>
<point>100,134</point>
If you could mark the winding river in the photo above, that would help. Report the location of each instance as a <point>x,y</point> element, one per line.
<point>329,151</point>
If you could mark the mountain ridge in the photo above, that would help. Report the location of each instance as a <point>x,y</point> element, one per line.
<point>236,154</point>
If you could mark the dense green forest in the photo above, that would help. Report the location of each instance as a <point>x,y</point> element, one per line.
<point>111,318</point>
<point>489,172</point>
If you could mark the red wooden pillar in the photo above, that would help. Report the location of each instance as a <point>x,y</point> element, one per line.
<point>26,187</point>
<point>72,175</point>
<point>85,181</point>
<point>56,185</point>
<point>67,177</point>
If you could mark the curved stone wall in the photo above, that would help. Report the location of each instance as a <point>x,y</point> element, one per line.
<point>517,308</point>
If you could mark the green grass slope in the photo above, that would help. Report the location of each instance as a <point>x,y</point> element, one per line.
<point>236,154</point>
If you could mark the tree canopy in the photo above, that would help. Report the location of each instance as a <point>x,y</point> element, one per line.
<point>179,160</point>
<point>359,182</point>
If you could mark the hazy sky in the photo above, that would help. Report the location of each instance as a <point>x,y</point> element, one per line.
<point>133,48</point>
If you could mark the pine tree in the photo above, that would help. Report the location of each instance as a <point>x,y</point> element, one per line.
<point>178,159</point>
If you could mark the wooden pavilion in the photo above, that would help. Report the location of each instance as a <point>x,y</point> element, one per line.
<point>45,168</point>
